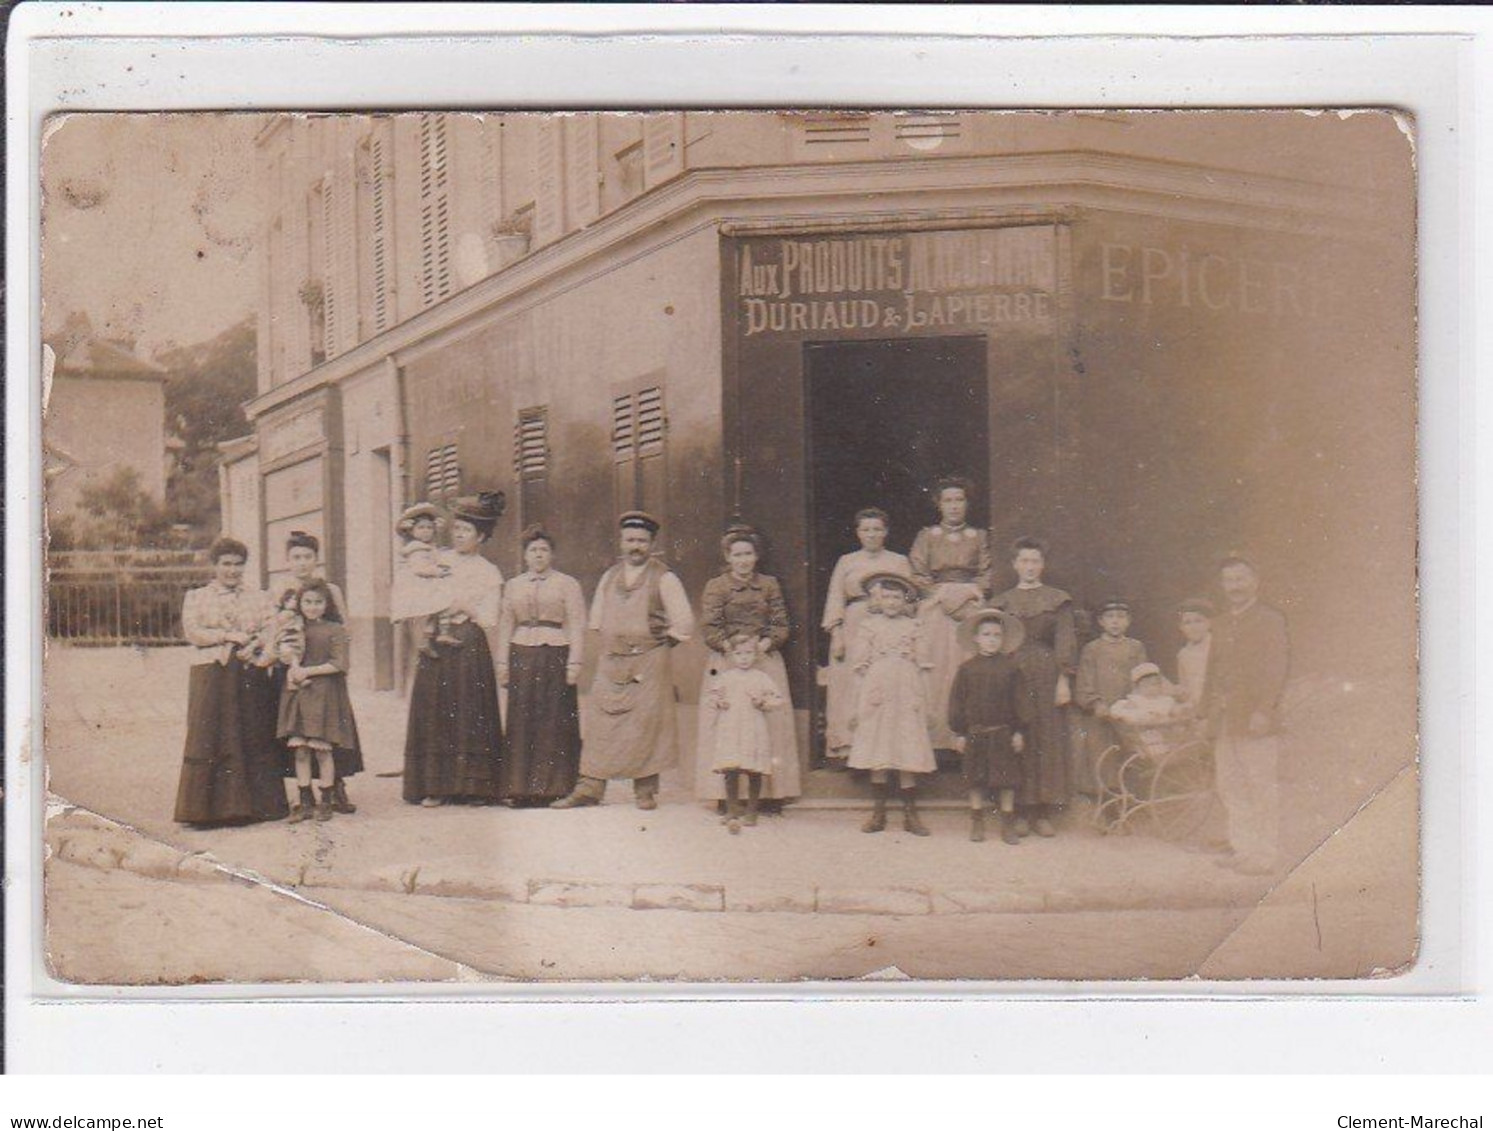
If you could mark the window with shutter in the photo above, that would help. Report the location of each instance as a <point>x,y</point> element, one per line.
<point>639,449</point>
<point>531,455</point>
<point>531,444</point>
<point>652,433</point>
<point>382,174</point>
<point>650,423</point>
<point>312,292</point>
<point>583,169</point>
<point>549,211</point>
<point>623,436</point>
<point>442,474</point>
<point>435,211</point>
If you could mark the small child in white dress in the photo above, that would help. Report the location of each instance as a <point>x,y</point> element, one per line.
<point>420,584</point>
<point>739,698</point>
<point>1152,710</point>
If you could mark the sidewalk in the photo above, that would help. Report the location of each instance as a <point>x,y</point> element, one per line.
<point>114,743</point>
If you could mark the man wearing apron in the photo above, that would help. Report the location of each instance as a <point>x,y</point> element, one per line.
<point>641,611</point>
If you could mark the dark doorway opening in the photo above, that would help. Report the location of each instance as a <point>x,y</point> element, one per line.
<point>885,420</point>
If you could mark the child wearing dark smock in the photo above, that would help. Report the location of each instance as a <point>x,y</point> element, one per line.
<point>989,707</point>
<point>316,714</point>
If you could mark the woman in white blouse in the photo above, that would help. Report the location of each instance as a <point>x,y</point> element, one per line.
<point>541,632</point>
<point>453,749</point>
<point>230,770</point>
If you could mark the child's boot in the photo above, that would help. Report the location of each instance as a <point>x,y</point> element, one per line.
<point>1042,826</point>
<point>977,825</point>
<point>749,818</point>
<point>910,820</point>
<point>1008,829</point>
<point>339,797</point>
<point>324,805</point>
<point>876,822</point>
<point>733,817</point>
<point>303,807</point>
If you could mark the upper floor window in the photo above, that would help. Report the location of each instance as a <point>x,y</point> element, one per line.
<point>435,210</point>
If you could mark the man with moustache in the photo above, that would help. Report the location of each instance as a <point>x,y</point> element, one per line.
<point>1249,661</point>
<point>641,611</point>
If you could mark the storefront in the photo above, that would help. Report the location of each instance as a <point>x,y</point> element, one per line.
<point>1145,385</point>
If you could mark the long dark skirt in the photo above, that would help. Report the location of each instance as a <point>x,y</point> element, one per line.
<point>1044,761</point>
<point>453,748</point>
<point>231,765</point>
<point>349,760</point>
<point>544,725</point>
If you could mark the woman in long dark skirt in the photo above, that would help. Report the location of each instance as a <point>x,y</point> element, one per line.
<point>230,770</point>
<point>453,749</point>
<point>540,636</point>
<point>1047,658</point>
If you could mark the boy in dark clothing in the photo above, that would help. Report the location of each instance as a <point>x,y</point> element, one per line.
<point>989,707</point>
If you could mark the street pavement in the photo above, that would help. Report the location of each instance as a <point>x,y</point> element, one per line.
<point>614,892</point>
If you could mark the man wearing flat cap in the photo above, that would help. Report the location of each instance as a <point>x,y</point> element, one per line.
<point>1248,664</point>
<point>641,611</point>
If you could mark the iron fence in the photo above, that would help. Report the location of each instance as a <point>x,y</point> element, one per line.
<point>121,596</point>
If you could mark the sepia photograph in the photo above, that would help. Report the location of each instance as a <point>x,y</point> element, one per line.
<point>724,547</point>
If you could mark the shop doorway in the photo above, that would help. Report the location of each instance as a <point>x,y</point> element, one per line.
<point>885,420</point>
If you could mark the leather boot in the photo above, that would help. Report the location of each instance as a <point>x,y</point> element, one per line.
<point>303,807</point>
<point>977,825</point>
<point>339,797</point>
<point>876,822</point>
<point>1008,829</point>
<point>324,806</point>
<point>910,820</point>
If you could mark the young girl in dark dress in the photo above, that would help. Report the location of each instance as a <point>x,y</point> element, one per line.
<point>316,714</point>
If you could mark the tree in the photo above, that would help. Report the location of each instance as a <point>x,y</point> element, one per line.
<point>207,386</point>
<point>115,514</point>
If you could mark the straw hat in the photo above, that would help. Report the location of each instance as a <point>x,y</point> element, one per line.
<point>1013,632</point>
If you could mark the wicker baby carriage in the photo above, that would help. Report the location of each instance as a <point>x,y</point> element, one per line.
<point>1157,780</point>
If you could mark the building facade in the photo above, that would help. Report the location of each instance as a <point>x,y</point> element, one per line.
<point>105,411</point>
<point>1147,338</point>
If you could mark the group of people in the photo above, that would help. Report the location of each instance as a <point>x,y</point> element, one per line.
<point>925,656</point>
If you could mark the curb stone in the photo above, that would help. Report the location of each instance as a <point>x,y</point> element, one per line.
<point>679,897</point>
<point>99,848</point>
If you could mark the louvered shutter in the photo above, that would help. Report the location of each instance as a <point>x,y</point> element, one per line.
<point>435,211</point>
<point>652,445</point>
<point>382,207</point>
<point>331,306</point>
<point>663,148</point>
<point>340,258</point>
<point>549,202</point>
<point>583,169</point>
<point>639,449</point>
<point>531,462</point>
<point>442,474</point>
<point>531,444</point>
